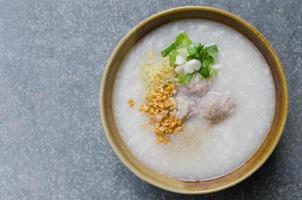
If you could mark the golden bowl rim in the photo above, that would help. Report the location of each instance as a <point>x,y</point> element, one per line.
<point>157,16</point>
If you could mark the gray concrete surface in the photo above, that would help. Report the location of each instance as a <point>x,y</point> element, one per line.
<point>52,55</point>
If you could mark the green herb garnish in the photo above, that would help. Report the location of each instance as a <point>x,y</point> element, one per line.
<point>183,52</point>
<point>184,78</point>
<point>182,40</point>
<point>207,72</point>
<point>212,51</point>
<point>172,57</point>
<point>207,57</point>
<point>183,46</point>
<point>213,72</point>
<point>194,51</point>
<point>167,50</point>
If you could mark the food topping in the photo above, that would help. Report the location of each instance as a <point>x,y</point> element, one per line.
<point>131,102</point>
<point>187,69</point>
<point>191,59</point>
<point>160,107</point>
<point>154,72</point>
<point>215,107</point>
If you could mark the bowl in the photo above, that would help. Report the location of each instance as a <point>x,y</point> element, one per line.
<point>170,183</point>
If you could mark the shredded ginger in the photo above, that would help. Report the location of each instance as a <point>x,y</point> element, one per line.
<point>154,73</point>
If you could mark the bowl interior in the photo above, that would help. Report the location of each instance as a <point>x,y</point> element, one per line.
<point>172,184</point>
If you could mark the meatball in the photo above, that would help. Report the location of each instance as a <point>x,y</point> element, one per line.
<point>185,107</point>
<point>196,87</point>
<point>216,107</point>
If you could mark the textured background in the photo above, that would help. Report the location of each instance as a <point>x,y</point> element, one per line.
<point>52,55</point>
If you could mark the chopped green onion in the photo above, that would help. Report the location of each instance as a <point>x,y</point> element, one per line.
<point>183,52</point>
<point>182,40</point>
<point>183,46</point>
<point>167,50</point>
<point>172,57</point>
<point>184,78</point>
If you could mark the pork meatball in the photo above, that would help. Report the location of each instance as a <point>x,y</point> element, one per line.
<point>216,107</point>
<point>185,107</point>
<point>196,87</point>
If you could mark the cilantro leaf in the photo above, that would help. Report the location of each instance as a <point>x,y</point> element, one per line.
<point>212,51</point>
<point>207,72</point>
<point>184,78</point>
<point>204,72</point>
<point>194,51</point>
<point>213,72</point>
<point>202,54</point>
<point>208,61</point>
<point>207,57</point>
<point>200,76</point>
